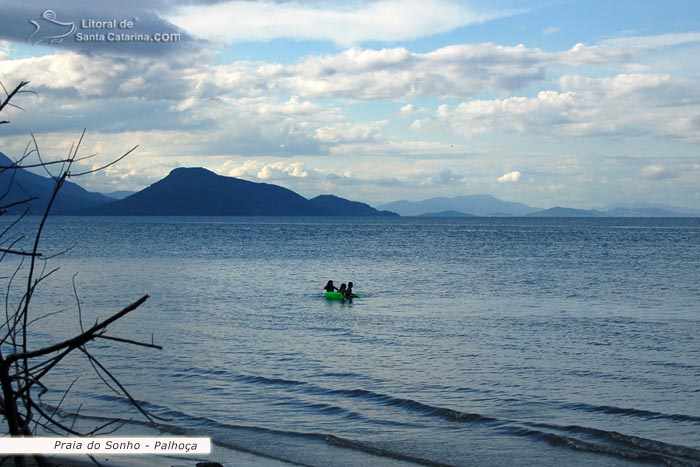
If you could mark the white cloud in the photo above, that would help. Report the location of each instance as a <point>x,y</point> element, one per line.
<point>282,170</point>
<point>629,105</point>
<point>444,177</point>
<point>4,49</point>
<point>510,177</point>
<point>350,132</point>
<point>348,23</point>
<point>652,42</point>
<point>657,172</point>
<point>409,110</point>
<point>551,30</point>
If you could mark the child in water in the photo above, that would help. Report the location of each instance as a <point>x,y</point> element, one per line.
<point>348,291</point>
<point>330,287</point>
<point>342,288</point>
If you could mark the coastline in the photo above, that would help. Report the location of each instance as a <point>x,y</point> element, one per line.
<point>220,456</point>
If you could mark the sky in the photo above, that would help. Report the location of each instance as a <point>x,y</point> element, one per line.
<point>546,102</point>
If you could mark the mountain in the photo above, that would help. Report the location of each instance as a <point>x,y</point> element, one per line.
<point>121,194</point>
<point>343,207</point>
<point>21,184</point>
<point>200,192</point>
<point>479,205</point>
<point>448,213</point>
<point>566,212</point>
<point>643,212</point>
<point>650,210</point>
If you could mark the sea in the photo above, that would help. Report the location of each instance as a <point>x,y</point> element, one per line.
<point>476,341</point>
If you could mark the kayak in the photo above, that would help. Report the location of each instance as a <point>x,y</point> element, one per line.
<point>339,296</point>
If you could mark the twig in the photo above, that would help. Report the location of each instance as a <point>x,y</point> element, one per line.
<point>105,166</point>
<point>129,341</point>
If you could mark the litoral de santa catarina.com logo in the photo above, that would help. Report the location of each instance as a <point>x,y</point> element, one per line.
<point>49,30</point>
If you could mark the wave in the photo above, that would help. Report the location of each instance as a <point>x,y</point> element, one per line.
<point>640,413</point>
<point>575,437</point>
<point>637,453</point>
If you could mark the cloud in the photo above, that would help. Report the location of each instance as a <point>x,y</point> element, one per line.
<point>409,110</point>
<point>4,49</point>
<point>443,178</point>
<point>455,71</point>
<point>350,132</point>
<point>510,177</point>
<point>396,73</point>
<point>625,105</point>
<point>345,24</point>
<point>652,42</point>
<point>86,76</point>
<point>551,30</point>
<point>657,172</point>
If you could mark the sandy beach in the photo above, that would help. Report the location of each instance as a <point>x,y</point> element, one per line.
<point>222,456</point>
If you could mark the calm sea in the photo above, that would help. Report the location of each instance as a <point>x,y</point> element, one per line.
<point>477,342</point>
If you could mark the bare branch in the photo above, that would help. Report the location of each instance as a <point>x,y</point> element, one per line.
<point>12,94</point>
<point>105,166</point>
<point>17,252</point>
<point>80,339</point>
<point>129,341</point>
<point>133,401</point>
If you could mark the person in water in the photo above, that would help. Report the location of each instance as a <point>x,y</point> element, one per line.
<point>330,287</point>
<point>342,288</point>
<point>348,291</point>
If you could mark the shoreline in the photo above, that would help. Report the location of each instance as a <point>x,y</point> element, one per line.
<point>220,456</point>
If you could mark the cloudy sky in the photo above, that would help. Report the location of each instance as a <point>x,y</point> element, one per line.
<point>547,102</point>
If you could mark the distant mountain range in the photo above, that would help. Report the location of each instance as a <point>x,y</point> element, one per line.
<point>18,185</point>
<point>476,205</point>
<point>200,192</point>
<point>489,206</point>
<point>184,192</point>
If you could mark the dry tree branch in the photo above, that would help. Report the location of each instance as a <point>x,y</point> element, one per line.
<point>78,340</point>
<point>11,95</point>
<point>105,166</point>
<point>129,341</point>
<point>22,368</point>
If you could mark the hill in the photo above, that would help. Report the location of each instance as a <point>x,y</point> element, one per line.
<point>336,206</point>
<point>21,184</point>
<point>566,212</point>
<point>478,205</point>
<point>200,192</point>
<point>446,214</point>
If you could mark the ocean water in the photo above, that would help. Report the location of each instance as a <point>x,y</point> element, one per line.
<point>477,342</point>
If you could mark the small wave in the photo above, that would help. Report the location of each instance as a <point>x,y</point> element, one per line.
<point>643,451</point>
<point>358,446</point>
<point>629,441</point>
<point>598,441</point>
<point>383,399</point>
<point>254,445</point>
<point>272,381</point>
<point>647,414</point>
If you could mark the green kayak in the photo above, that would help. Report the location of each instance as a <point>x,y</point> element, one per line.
<point>339,296</point>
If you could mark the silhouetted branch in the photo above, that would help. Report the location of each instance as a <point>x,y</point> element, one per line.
<point>22,368</point>
<point>78,340</point>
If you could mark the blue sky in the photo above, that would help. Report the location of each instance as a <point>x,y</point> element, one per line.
<point>576,103</point>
